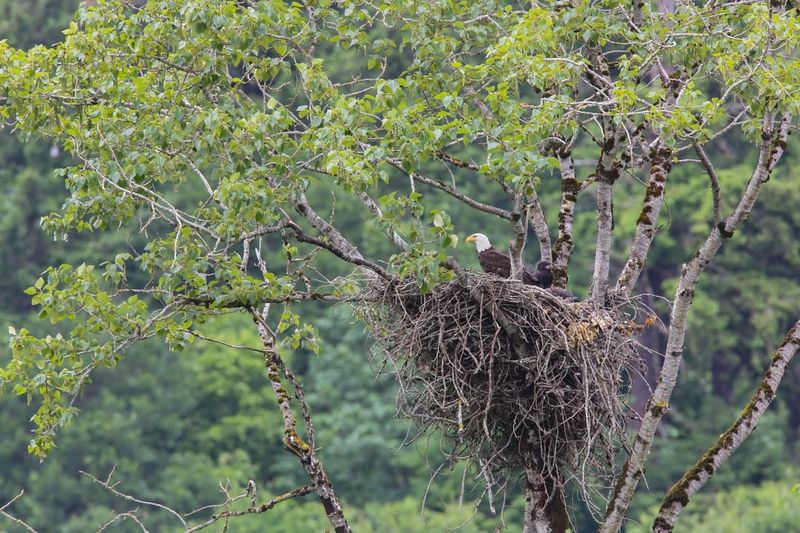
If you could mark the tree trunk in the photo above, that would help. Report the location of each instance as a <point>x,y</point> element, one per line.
<point>545,508</point>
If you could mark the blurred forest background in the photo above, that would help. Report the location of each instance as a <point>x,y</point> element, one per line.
<point>176,424</point>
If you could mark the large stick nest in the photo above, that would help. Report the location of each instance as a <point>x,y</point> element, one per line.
<point>513,375</point>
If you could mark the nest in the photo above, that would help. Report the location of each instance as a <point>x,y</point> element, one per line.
<point>512,375</point>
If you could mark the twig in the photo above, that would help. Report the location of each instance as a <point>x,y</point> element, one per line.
<point>13,518</point>
<point>300,491</point>
<point>129,515</point>
<point>110,488</point>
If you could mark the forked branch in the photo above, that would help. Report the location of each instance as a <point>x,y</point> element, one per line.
<point>4,513</point>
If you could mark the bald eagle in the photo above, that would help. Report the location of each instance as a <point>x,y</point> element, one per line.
<point>495,262</point>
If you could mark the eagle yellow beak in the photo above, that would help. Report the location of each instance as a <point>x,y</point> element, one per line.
<point>471,238</point>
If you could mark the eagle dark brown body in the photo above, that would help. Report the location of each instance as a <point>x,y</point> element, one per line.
<point>495,262</point>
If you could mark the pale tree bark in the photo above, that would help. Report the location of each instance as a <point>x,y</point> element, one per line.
<point>539,224</point>
<point>602,253</point>
<point>519,226</point>
<point>772,146</point>
<point>607,172</point>
<point>545,508</point>
<point>660,158</point>
<point>646,225</point>
<point>562,251</point>
<point>697,476</point>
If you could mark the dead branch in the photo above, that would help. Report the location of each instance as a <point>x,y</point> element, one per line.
<point>254,509</point>
<point>14,519</point>
<point>250,492</point>
<point>130,515</point>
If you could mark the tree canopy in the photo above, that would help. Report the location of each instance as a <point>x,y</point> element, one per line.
<point>270,158</point>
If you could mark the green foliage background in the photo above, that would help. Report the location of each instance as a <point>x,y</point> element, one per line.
<point>174,424</point>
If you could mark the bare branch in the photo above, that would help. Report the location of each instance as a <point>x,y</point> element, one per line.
<point>373,208</point>
<point>253,509</point>
<point>697,476</point>
<point>343,253</point>
<point>13,518</point>
<point>112,488</point>
<point>130,515</point>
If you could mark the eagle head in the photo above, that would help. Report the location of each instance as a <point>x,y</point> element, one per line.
<point>481,241</point>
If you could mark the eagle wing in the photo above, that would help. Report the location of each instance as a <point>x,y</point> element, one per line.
<point>494,262</point>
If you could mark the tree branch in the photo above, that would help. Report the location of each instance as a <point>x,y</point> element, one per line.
<point>696,477</point>
<point>520,228</point>
<point>253,509</point>
<point>660,165</point>
<point>539,224</point>
<point>447,158</point>
<point>335,242</point>
<point>607,172</point>
<point>449,189</point>
<point>14,518</point>
<point>772,147</point>
<point>340,252</point>
<point>112,488</point>
<point>291,440</point>
<point>373,208</point>
<point>566,216</point>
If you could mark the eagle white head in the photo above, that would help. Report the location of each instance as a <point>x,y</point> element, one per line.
<point>481,241</point>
